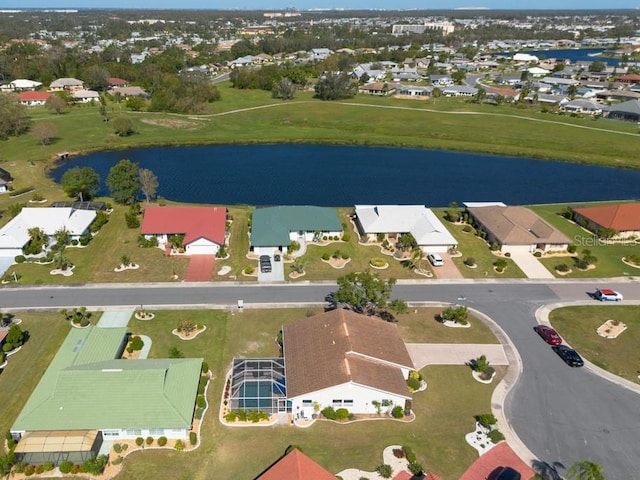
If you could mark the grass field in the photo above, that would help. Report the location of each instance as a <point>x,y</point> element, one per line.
<point>620,355</point>
<point>444,412</point>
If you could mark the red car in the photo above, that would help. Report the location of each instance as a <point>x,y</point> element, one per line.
<point>548,334</point>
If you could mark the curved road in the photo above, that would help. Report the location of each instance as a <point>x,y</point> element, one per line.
<point>562,414</point>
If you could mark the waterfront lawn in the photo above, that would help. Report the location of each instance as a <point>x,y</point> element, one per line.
<point>238,246</point>
<point>444,412</point>
<point>24,369</point>
<point>620,355</point>
<point>471,245</point>
<point>609,257</point>
<point>420,326</point>
<point>96,262</point>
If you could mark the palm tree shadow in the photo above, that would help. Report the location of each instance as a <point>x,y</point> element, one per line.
<point>546,471</point>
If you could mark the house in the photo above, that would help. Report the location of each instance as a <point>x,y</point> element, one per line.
<point>459,91</point>
<point>114,82</point>
<point>15,234</point>
<point>69,84</point>
<point>378,88</point>
<point>394,220</point>
<point>343,359</point>
<point>203,228</point>
<point>415,91</point>
<point>586,107</point>
<point>21,84</point>
<point>89,395</point>
<point>319,53</point>
<point>629,111</point>
<point>274,228</point>
<point>525,58</point>
<point>517,229</point>
<point>295,465</point>
<point>32,98</point>
<point>624,218</point>
<point>85,96</point>
<point>127,92</point>
<point>441,80</point>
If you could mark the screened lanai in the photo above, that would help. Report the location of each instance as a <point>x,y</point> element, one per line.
<point>258,384</point>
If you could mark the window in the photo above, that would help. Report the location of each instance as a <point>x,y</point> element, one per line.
<point>348,403</point>
<point>307,402</point>
<point>111,433</point>
<point>156,432</point>
<point>337,403</point>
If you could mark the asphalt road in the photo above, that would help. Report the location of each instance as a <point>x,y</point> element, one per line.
<point>562,414</point>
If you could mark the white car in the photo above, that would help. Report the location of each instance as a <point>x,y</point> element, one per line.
<point>607,295</point>
<point>435,259</point>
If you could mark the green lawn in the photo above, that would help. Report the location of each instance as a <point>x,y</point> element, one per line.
<point>609,257</point>
<point>444,411</point>
<point>621,355</point>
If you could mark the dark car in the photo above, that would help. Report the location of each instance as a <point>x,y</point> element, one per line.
<point>569,355</point>
<point>265,263</point>
<point>548,334</point>
<point>504,473</point>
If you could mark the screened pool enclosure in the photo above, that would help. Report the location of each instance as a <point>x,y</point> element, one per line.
<point>258,384</point>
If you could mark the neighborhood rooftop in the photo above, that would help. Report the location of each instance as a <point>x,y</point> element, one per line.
<point>193,222</point>
<point>271,226</point>
<point>621,217</point>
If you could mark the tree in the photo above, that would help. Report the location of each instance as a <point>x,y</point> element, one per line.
<point>597,66</point>
<point>335,86</point>
<point>37,240</point>
<point>135,104</point>
<point>480,96</point>
<point>175,352</point>
<point>44,132</point>
<point>62,237</point>
<point>80,182</point>
<point>585,470</point>
<point>122,126</point>
<point>148,183</point>
<point>363,292</point>
<point>123,182</point>
<point>298,266</point>
<point>56,104</point>
<point>458,76</point>
<point>15,338</point>
<point>14,119</point>
<point>96,78</point>
<point>417,256</point>
<point>284,89</point>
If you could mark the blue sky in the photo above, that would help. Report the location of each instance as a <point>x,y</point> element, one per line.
<point>309,4</point>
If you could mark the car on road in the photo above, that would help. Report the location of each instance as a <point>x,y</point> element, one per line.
<point>505,473</point>
<point>265,263</point>
<point>548,334</point>
<point>569,355</point>
<point>607,295</point>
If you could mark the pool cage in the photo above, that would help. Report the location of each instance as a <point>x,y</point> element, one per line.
<point>258,384</point>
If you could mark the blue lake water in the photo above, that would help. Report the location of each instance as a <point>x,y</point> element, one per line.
<point>574,55</point>
<point>327,175</point>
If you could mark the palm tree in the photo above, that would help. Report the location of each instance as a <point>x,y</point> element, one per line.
<point>417,256</point>
<point>37,235</point>
<point>60,261</point>
<point>585,470</point>
<point>298,266</point>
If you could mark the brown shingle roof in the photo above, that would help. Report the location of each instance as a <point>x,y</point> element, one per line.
<point>622,217</point>
<point>342,346</point>
<point>513,225</point>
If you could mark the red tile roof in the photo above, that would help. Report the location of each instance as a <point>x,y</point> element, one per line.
<point>33,96</point>
<point>193,222</point>
<point>113,82</point>
<point>499,456</point>
<point>296,466</point>
<point>3,333</point>
<point>622,217</point>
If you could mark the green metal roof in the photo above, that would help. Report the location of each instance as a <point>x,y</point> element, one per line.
<point>84,389</point>
<point>270,227</point>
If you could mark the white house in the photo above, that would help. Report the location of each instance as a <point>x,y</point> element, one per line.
<point>342,359</point>
<point>15,234</point>
<point>85,96</point>
<point>393,220</point>
<point>21,84</point>
<point>66,84</point>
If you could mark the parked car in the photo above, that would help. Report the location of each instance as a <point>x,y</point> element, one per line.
<point>435,259</point>
<point>569,355</point>
<point>265,263</point>
<point>505,473</point>
<point>607,295</point>
<point>548,334</point>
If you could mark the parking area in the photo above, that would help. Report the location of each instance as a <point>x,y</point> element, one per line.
<point>275,275</point>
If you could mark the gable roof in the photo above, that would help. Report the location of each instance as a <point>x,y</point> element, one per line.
<point>418,220</point>
<point>515,225</point>
<point>270,226</point>
<point>86,387</point>
<point>66,82</point>
<point>15,234</point>
<point>192,222</point>
<point>341,346</point>
<point>296,466</point>
<point>630,106</point>
<point>31,96</point>
<point>621,217</point>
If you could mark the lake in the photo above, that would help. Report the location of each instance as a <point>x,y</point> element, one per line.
<point>572,54</point>
<point>327,175</point>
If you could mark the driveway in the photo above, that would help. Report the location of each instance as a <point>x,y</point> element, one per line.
<point>115,318</point>
<point>275,275</point>
<point>200,268</point>
<point>448,268</point>
<point>423,354</point>
<point>530,265</point>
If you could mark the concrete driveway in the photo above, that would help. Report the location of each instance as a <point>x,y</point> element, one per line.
<point>423,354</point>
<point>448,268</point>
<point>530,265</point>
<point>275,275</point>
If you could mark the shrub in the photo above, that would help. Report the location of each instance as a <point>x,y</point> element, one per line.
<point>20,258</point>
<point>249,270</point>
<point>85,239</point>
<point>537,254</point>
<point>413,384</point>
<point>384,470</point>
<point>131,220</point>
<point>486,420</point>
<point>149,440</point>
<point>139,441</point>
<point>467,228</point>
<point>572,248</point>
<point>117,461</point>
<point>507,254</point>
<point>329,413</point>
<point>193,438</point>
<point>29,470</point>
<point>117,447</point>
<point>500,264</point>
<point>326,256</point>
<point>563,267</point>
<point>470,261</point>
<point>162,441</point>
<point>408,453</point>
<point>205,367</point>
<point>495,436</point>
<point>96,465</point>
<point>324,238</point>
<point>343,414</point>
<point>179,446</point>
<point>494,247</point>
<point>200,401</point>
<point>47,467</point>
<point>634,259</point>
<point>147,243</point>
<point>136,343</point>
<point>397,412</point>
<point>346,237</point>
<point>75,469</point>
<point>231,417</point>
<point>345,256</point>
<point>416,469</point>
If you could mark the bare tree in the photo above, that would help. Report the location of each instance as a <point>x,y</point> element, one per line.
<point>148,183</point>
<point>44,132</point>
<point>56,104</point>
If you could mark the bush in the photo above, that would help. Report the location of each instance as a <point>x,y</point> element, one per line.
<point>507,254</point>
<point>95,466</point>
<point>47,467</point>
<point>147,243</point>
<point>537,254</point>
<point>29,470</point>
<point>20,258</point>
<point>467,228</point>
<point>149,440</point>
<point>346,237</point>
<point>193,438</point>
<point>136,343</point>
<point>200,401</point>
<point>74,242</point>
<point>231,417</point>
<point>397,412</point>
<point>179,446</point>
<point>205,367</point>
<point>342,414</point>
<point>398,452</point>
<point>345,256</point>
<point>413,384</point>
<point>563,267</point>
<point>65,467</point>
<point>139,441</point>
<point>469,261</point>
<point>384,470</point>
<point>117,447</point>
<point>162,441</point>
<point>486,420</point>
<point>249,270</point>
<point>329,413</point>
<point>495,436</point>
<point>131,220</point>
<point>494,247</point>
<point>408,453</point>
<point>326,256</point>
<point>416,469</point>
<point>572,248</point>
<point>117,461</point>
<point>75,469</point>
